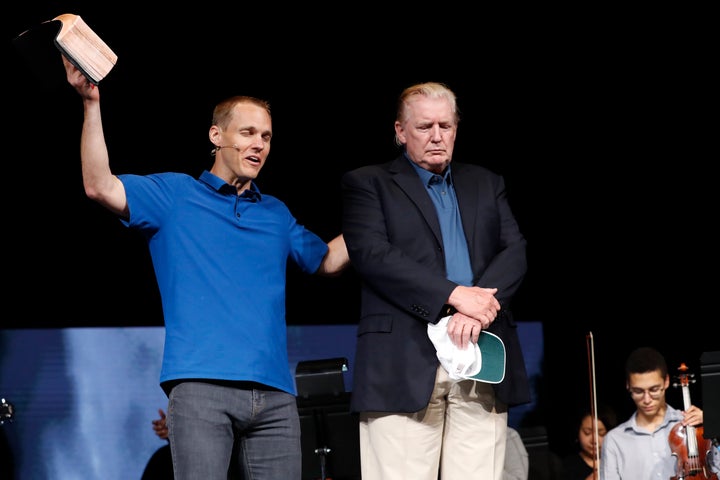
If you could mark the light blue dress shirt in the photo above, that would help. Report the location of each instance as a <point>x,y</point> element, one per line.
<point>630,452</point>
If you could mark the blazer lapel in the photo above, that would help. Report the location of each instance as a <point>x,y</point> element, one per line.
<point>466,191</point>
<point>407,179</point>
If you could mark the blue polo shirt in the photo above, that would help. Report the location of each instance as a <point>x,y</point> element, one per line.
<point>221,261</point>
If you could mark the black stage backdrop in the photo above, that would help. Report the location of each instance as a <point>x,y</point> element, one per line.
<point>600,127</point>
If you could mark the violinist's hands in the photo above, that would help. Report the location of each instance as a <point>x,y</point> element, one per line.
<point>463,329</point>
<point>160,425</point>
<point>86,89</point>
<point>693,416</point>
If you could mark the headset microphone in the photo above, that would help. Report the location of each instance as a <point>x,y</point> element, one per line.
<point>216,149</point>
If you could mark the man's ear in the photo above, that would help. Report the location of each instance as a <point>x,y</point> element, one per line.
<point>214,135</point>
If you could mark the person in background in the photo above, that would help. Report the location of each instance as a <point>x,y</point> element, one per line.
<point>431,241</point>
<point>160,466</point>
<point>582,465</point>
<point>640,447</point>
<point>159,425</point>
<point>517,459</point>
<point>220,249</point>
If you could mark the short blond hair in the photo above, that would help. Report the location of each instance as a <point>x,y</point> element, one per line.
<point>222,114</point>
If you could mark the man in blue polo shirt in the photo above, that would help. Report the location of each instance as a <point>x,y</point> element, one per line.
<point>220,250</point>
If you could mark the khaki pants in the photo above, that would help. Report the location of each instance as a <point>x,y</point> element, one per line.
<point>460,435</point>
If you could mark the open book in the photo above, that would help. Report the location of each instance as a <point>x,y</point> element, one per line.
<point>75,39</point>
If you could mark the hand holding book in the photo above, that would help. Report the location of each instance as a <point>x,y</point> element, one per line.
<point>79,81</point>
<point>75,39</point>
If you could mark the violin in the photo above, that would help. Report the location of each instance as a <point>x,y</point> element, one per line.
<point>687,442</point>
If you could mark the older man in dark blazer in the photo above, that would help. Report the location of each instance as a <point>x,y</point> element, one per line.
<point>430,241</point>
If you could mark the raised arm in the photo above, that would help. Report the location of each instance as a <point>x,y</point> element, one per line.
<point>99,182</point>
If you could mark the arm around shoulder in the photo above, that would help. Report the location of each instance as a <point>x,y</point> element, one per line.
<point>336,259</point>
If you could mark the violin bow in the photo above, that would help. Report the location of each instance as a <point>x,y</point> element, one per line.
<point>590,343</point>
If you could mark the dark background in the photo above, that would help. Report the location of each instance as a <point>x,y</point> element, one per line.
<point>599,121</point>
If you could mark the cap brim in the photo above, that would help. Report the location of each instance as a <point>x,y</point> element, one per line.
<point>492,353</point>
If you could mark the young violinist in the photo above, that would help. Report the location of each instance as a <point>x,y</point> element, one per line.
<point>640,447</point>
<point>584,463</point>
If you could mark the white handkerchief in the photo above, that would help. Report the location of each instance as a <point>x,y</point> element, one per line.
<point>459,363</point>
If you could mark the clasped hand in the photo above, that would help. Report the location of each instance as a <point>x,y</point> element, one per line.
<point>476,309</point>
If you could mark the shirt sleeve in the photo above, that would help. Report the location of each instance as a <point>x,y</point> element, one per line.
<point>517,463</point>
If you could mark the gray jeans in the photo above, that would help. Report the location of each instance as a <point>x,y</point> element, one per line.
<point>221,432</point>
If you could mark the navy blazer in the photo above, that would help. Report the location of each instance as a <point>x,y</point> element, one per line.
<point>393,237</point>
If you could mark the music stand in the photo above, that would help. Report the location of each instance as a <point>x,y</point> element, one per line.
<point>322,398</point>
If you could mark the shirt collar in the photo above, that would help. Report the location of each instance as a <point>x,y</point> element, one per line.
<point>218,184</point>
<point>426,176</point>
